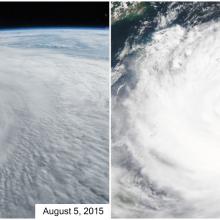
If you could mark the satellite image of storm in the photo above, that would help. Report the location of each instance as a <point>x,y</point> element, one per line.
<point>165,109</point>
<point>54,72</point>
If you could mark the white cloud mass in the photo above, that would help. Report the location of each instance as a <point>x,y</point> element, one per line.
<point>166,131</point>
<point>53,118</point>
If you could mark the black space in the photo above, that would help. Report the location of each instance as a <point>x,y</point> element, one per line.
<point>50,14</point>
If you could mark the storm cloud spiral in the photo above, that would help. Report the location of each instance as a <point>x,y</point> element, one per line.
<point>166,115</point>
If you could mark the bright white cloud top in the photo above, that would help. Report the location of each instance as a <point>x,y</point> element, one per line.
<point>166,146</point>
<point>53,118</point>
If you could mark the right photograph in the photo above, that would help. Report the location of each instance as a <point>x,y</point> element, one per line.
<point>165,109</point>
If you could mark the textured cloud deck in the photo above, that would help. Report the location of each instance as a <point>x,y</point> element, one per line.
<point>53,118</point>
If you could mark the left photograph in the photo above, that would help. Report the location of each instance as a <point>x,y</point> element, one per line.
<point>54,105</point>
